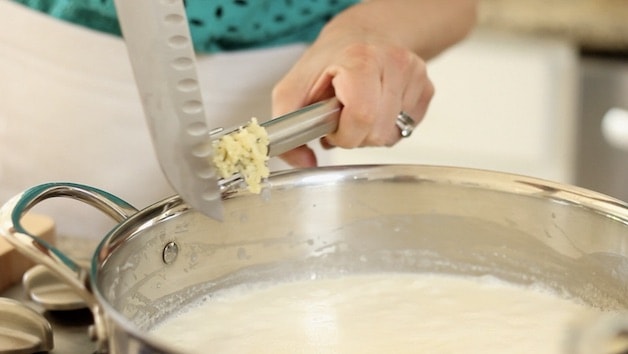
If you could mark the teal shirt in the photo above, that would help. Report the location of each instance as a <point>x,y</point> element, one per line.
<point>216,25</point>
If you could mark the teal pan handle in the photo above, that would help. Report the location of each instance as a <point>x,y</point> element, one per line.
<point>42,252</point>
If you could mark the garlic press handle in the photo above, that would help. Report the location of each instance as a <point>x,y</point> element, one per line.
<point>302,126</point>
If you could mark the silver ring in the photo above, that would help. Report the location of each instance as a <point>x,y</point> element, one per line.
<point>405,123</point>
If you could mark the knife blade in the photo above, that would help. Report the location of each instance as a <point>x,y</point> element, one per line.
<point>163,60</point>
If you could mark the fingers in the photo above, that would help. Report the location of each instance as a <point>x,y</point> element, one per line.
<point>301,157</point>
<point>357,86</point>
<point>375,91</point>
<point>373,81</point>
<point>418,92</point>
<point>397,75</point>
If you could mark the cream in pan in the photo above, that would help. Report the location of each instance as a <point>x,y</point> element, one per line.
<point>383,313</point>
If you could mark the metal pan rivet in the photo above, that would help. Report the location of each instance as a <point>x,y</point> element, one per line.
<point>170,253</point>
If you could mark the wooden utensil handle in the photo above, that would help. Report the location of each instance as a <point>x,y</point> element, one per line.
<point>12,263</point>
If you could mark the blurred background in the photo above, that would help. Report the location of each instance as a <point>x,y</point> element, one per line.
<point>540,88</point>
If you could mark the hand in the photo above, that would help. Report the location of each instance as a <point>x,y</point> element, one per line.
<point>372,58</point>
<point>371,75</point>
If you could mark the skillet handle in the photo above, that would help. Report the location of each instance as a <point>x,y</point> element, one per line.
<point>42,252</point>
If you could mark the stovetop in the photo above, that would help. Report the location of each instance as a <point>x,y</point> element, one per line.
<point>70,328</point>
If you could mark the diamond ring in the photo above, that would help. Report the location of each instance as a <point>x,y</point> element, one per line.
<point>405,123</point>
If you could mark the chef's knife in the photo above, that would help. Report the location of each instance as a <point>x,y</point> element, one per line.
<point>162,56</point>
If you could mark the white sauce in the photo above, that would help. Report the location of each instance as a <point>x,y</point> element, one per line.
<point>391,313</point>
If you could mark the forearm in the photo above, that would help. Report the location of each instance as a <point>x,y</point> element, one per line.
<point>427,27</point>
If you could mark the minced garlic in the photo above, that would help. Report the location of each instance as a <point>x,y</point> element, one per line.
<point>244,151</point>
